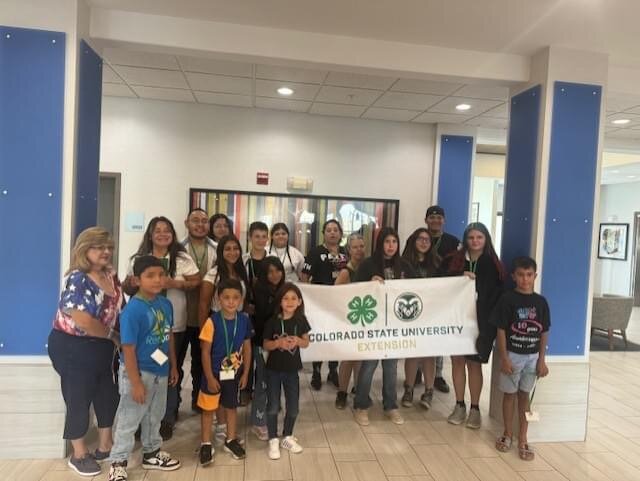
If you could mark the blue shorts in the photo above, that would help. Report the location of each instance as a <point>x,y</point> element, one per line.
<point>227,396</point>
<point>524,374</point>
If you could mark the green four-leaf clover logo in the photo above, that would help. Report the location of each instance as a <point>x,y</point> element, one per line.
<point>362,310</point>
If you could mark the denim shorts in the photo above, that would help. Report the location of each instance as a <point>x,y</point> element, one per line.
<point>524,373</point>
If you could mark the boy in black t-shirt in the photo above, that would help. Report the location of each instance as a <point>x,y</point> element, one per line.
<point>523,321</point>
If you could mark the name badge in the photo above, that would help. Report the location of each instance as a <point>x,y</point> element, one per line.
<point>227,374</point>
<point>159,357</point>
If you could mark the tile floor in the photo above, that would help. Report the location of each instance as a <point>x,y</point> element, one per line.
<point>426,448</point>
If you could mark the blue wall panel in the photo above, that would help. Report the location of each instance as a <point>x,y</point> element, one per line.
<point>569,217</point>
<point>520,175</point>
<point>88,139</point>
<point>454,182</point>
<point>31,128</point>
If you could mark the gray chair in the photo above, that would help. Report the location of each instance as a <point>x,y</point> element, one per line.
<point>611,313</point>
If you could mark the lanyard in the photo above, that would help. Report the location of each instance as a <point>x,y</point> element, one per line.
<point>438,244</point>
<point>227,345</point>
<point>473,265</point>
<point>195,255</point>
<point>295,328</point>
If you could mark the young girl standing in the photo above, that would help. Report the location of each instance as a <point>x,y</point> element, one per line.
<point>284,335</point>
<point>477,260</point>
<point>291,258</point>
<point>355,249</point>
<point>422,255</point>
<point>270,279</point>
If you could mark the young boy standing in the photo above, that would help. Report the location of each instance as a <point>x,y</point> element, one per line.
<point>149,366</point>
<point>523,322</point>
<point>226,354</point>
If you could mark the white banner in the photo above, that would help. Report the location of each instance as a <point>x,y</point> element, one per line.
<point>397,319</point>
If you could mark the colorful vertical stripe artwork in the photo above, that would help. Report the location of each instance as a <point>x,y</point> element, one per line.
<point>303,214</point>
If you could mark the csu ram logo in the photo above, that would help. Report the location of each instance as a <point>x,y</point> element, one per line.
<point>407,306</point>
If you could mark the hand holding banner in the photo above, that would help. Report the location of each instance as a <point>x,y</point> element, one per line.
<point>394,319</point>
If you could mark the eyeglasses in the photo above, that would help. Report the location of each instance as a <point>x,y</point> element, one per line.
<point>423,239</point>
<point>196,221</point>
<point>103,247</point>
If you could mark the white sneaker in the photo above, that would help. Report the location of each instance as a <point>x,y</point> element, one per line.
<point>291,443</point>
<point>274,448</point>
<point>361,416</point>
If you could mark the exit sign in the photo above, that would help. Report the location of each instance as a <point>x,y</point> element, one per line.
<point>262,178</point>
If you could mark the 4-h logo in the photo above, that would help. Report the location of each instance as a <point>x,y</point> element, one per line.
<point>407,306</point>
<point>362,310</point>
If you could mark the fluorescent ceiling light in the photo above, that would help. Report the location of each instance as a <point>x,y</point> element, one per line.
<point>463,107</point>
<point>615,171</point>
<point>631,176</point>
<point>620,121</point>
<point>285,91</point>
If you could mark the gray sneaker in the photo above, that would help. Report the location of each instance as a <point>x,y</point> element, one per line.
<point>84,466</point>
<point>407,397</point>
<point>458,415</point>
<point>426,399</point>
<point>474,421</point>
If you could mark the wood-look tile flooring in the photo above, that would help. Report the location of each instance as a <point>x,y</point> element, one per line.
<point>426,448</point>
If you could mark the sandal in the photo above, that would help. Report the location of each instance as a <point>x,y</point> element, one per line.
<point>526,453</point>
<point>503,444</point>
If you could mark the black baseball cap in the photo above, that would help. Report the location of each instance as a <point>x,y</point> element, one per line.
<point>435,210</point>
<point>142,263</point>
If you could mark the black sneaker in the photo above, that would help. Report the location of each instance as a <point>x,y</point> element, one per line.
<point>84,466</point>
<point>316,380</point>
<point>101,455</point>
<point>441,385</point>
<point>235,449</point>
<point>206,454</point>
<point>166,430</point>
<point>159,460</point>
<point>341,400</point>
<point>333,378</point>
<point>407,397</point>
<point>118,472</point>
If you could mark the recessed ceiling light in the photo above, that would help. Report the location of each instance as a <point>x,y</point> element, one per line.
<point>463,107</point>
<point>620,121</point>
<point>631,176</point>
<point>285,91</point>
<point>615,171</point>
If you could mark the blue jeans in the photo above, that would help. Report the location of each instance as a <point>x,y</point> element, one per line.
<point>130,415</point>
<point>289,381</point>
<point>389,378</point>
<point>259,403</point>
<point>173,392</point>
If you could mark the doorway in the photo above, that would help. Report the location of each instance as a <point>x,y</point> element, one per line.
<point>109,207</point>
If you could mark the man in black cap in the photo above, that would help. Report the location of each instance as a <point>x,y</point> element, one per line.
<point>445,244</point>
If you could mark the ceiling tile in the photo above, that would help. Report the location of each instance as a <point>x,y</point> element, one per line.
<point>488,122</point>
<point>617,102</point>
<point>213,66</point>
<point>421,86</point>
<point>282,104</point>
<point>177,95</point>
<point>492,92</point>
<point>109,75</point>
<point>634,110</point>
<point>223,99</point>
<point>389,114</point>
<point>448,106</point>
<point>635,120</point>
<point>407,101</point>
<point>219,83</point>
<point>152,77</point>
<point>118,56</point>
<point>273,72</point>
<point>337,110</point>
<point>355,80</point>
<point>499,112</point>
<point>433,118</point>
<point>344,95</point>
<point>625,134</point>
<point>268,88</point>
<point>117,90</point>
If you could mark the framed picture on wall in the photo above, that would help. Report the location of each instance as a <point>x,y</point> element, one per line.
<point>612,241</point>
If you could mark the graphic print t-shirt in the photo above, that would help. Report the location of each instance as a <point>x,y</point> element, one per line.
<point>147,324</point>
<point>276,327</point>
<point>323,266</point>
<point>524,317</point>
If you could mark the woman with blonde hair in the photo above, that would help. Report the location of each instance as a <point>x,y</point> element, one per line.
<point>83,343</point>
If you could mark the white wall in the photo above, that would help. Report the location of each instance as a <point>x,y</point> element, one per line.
<point>618,202</point>
<point>164,148</point>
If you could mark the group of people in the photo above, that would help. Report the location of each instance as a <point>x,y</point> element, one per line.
<point>242,318</point>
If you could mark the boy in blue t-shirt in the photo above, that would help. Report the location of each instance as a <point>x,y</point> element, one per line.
<point>149,365</point>
<point>225,340</point>
<point>523,320</point>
